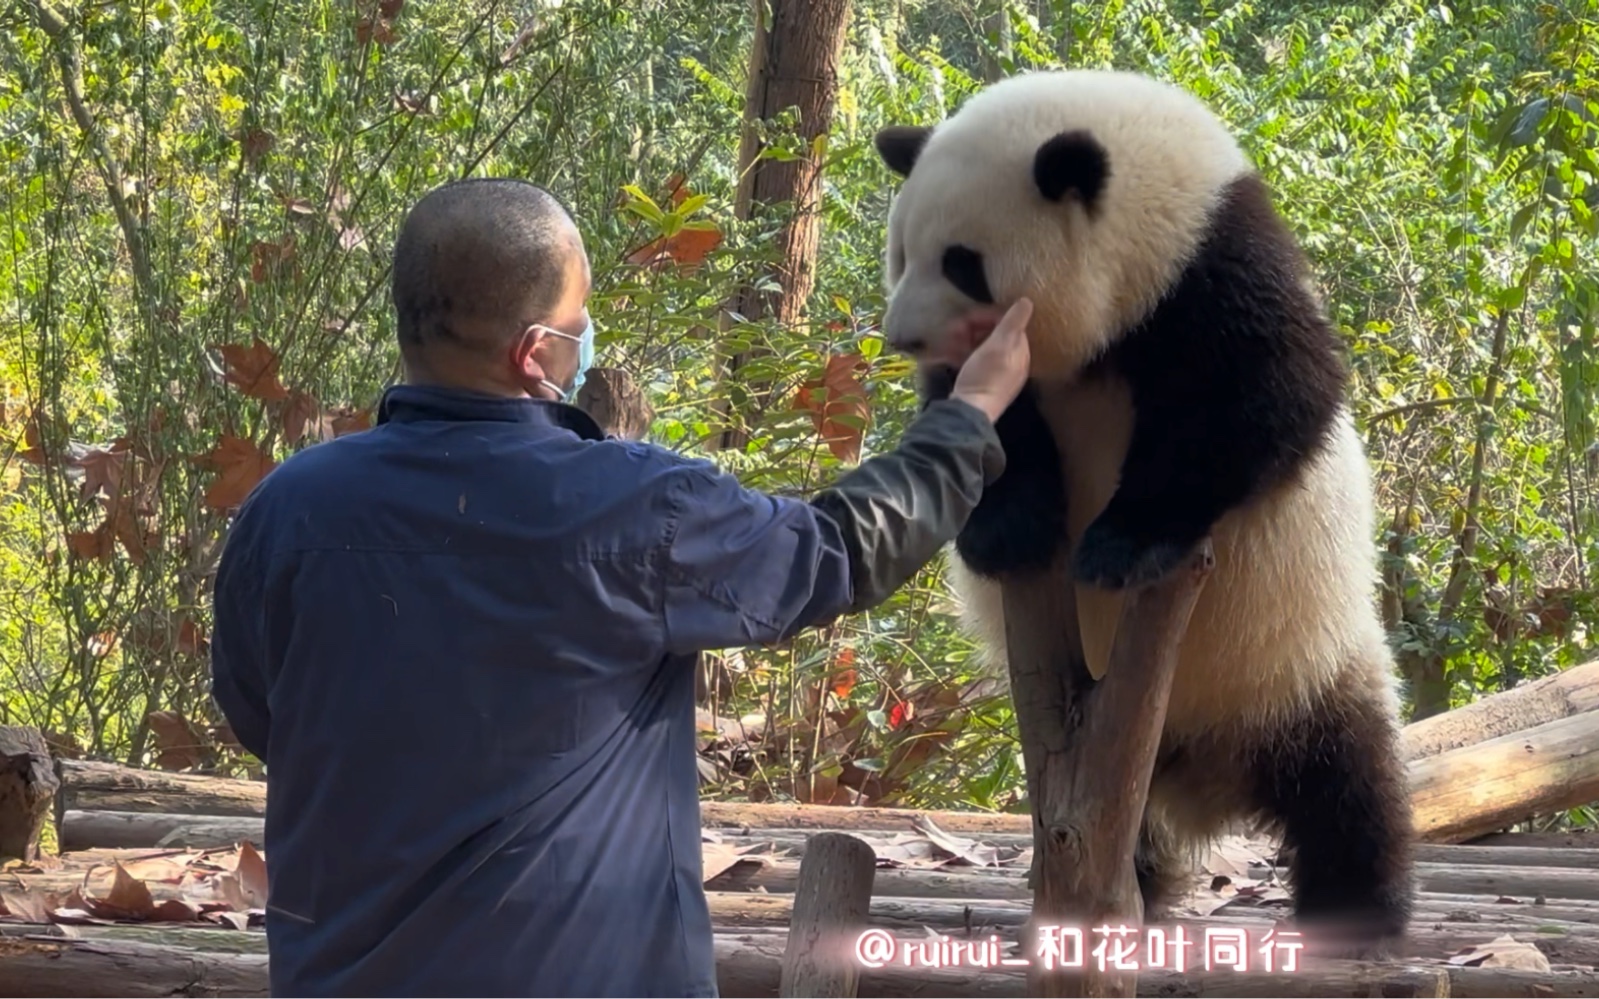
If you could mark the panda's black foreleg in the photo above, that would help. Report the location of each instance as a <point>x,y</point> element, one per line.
<point>1335,782</point>
<point>1020,523</point>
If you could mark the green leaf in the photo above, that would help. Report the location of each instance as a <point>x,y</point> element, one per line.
<point>1518,223</point>
<point>1526,128</point>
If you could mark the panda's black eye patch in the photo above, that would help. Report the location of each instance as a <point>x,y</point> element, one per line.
<point>963,268</point>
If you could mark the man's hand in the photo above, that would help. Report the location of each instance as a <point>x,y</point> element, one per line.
<point>994,374</point>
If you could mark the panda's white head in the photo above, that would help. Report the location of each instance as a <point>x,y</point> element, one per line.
<point>1086,191</point>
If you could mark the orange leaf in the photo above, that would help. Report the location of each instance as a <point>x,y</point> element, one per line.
<point>838,393</point>
<point>843,682</point>
<point>98,543</point>
<point>346,420</point>
<point>255,144</point>
<point>190,638</point>
<point>178,745</point>
<point>241,465</point>
<point>380,30</point>
<point>688,249</point>
<point>102,469</point>
<point>266,258</point>
<point>677,189</point>
<point>34,452</point>
<point>136,541</point>
<point>254,369</point>
<point>101,644</point>
<point>299,411</point>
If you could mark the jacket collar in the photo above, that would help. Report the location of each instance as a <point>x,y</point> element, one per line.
<point>415,403</point>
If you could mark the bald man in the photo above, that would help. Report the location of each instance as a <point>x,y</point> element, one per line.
<point>462,641</point>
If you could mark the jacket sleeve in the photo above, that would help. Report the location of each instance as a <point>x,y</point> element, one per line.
<point>745,568</point>
<point>238,642</point>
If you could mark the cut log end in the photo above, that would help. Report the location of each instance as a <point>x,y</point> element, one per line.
<point>832,906</point>
<point>28,784</point>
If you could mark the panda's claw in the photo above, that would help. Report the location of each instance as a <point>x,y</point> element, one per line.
<point>1112,559</point>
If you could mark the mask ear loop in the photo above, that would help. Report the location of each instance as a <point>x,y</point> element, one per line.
<point>560,393</point>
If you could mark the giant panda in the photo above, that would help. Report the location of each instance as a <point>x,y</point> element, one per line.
<point>1185,383</point>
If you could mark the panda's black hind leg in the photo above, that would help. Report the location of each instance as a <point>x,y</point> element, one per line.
<point>1334,781</point>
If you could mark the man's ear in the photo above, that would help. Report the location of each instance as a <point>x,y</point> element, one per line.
<point>522,353</point>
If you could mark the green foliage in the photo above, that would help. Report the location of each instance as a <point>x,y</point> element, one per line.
<point>231,170</point>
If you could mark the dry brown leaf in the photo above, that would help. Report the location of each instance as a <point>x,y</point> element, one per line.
<point>175,910</point>
<point>300,411</point>
<point>96,544</point>
<point>838,396</point>
<point>968,850</point>
<point>129,898</point>
<point>102,470</point>
<point>241,465</point>
<point>191,639</point>
<point>179,745</point>
<point>252,874</point>
<point>237,920</point>
<point>26,905</point>
<point>164,869</point>
<point>254,369</point>
<point>1502,952</point>
<point>718,858</point>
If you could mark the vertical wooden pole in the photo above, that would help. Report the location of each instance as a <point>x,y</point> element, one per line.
<point>28,784</point>
<point>831,903</point>
<point>1090,753</point>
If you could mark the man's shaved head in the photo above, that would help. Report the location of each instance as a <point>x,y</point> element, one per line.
<point>477,259</point>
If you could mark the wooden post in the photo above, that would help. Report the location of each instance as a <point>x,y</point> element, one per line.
<point>831,904</point>
<point>1090,751</point>
<point>616,402</point>
<point>27,785</point>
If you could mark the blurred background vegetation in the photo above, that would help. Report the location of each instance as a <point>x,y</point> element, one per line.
<point>198,197</point>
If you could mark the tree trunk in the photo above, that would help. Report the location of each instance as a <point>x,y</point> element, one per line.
<point>996,41</point>
<point>794,62</point>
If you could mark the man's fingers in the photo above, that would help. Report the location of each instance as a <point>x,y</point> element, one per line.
<point>1016,317</point>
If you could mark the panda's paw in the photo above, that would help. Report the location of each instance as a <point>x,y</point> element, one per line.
<point>1112,559</point>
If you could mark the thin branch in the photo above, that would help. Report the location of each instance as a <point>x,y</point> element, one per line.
<point>55,27</point>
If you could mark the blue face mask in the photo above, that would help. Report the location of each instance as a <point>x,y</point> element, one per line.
<point>585,358</point>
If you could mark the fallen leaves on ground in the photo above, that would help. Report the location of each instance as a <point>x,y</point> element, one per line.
<point>718,858</point>
<point>1502,952</point>
<point>224,887</point>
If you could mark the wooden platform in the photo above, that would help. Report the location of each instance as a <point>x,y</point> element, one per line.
<point>1509,917</point>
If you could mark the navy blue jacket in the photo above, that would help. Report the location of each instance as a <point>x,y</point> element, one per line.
<point>462,643</point>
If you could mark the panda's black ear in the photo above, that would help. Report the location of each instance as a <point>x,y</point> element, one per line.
<point>1071,161</point>
<point>901,145</point>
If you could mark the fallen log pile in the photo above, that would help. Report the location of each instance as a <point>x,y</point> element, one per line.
<point>153,894</point>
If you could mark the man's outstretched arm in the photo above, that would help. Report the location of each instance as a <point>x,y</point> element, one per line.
<point>743,568</point>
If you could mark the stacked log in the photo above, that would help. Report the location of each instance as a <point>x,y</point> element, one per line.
<point>1529,751</point>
